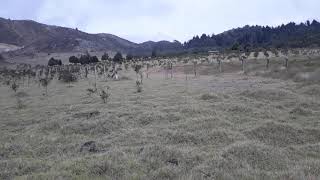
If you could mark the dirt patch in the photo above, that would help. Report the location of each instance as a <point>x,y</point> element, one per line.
<point>283,135</point>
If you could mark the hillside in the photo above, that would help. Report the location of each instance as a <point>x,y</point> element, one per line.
<point>290,35</point>
<point>34,36</point>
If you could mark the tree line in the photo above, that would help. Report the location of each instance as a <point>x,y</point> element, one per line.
<point>89,59</point>
<point>291,35</point>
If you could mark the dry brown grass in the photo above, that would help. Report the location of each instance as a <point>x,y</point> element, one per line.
<point>229,126</point>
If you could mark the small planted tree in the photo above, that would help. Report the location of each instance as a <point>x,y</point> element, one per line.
<point>275,52</point>
<point>219,60</point>
<point>44,83</point>
<point>243,58</point>
<point>195,68</point>
<point>118,58</point>
<point>105,57</point>
<point>266,54</point>
<point>139,86</point>
<point>256,54</point>
<point>20,103</point>
<point>148,68</point>
<point>139,74</point>
<point>285,52</point>
<point>14,87</point>
<point>105,95</point>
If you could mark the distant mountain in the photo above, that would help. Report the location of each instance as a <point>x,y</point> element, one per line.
<point>36,37</point>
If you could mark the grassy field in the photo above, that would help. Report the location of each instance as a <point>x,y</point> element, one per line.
<point>258,125</point>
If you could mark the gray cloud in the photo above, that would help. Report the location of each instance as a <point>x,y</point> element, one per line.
<point>142,20</point>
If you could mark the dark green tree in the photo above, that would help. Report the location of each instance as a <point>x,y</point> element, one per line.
<point>54,62</point>
<point>105,57</point>
<point>74,60</point>
<point>129,57</point>
<point>118,57</point>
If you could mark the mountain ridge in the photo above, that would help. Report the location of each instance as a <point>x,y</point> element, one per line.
<point>37,37</point>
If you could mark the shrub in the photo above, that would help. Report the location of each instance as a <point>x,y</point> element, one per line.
<point>14,87</point>
<point>139,86</point>
<point>74,59</point>
<point>129,57</point>
<point>118,57</point>
<point>67,77</point>
<point>137,68</point>
<point>105,57</point>
<point>44,83</point>
<point>266,54</point>
<point>105,95</point>
<point>20,103</point>
<point>91,91</point>
<point>88,59</point>
<point>94,59</point>
<point>54,62</point>
<point>209,96</point>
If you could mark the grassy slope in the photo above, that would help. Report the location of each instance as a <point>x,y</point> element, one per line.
<point>228,126</point>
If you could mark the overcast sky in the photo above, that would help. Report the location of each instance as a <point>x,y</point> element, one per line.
<point>142,20</point>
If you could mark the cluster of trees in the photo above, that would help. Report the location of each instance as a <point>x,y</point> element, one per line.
<point>87,59</point>
<point>84,59</point>
<point>290,35</point>
<point>54,62</point>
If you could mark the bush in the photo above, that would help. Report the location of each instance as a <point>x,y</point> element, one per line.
<point>129,57</point>
<point>14,87</point>
<point>74,60</point>
<point>105,57</point>
<point>94,59</point>
<point>105,95</point>
<point>87,59</point>
<point>139,86</point>
<point>118,57</point>
<point>67,77</point>
<point>54,62</point>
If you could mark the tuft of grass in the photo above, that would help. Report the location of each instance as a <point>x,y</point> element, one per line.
<point>105,95</point>
<point>14,87</point>
<point>209,96</point>
<point>20,104</point>
<point>139,86</point>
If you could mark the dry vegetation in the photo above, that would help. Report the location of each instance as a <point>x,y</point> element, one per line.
<point>262,125</point>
